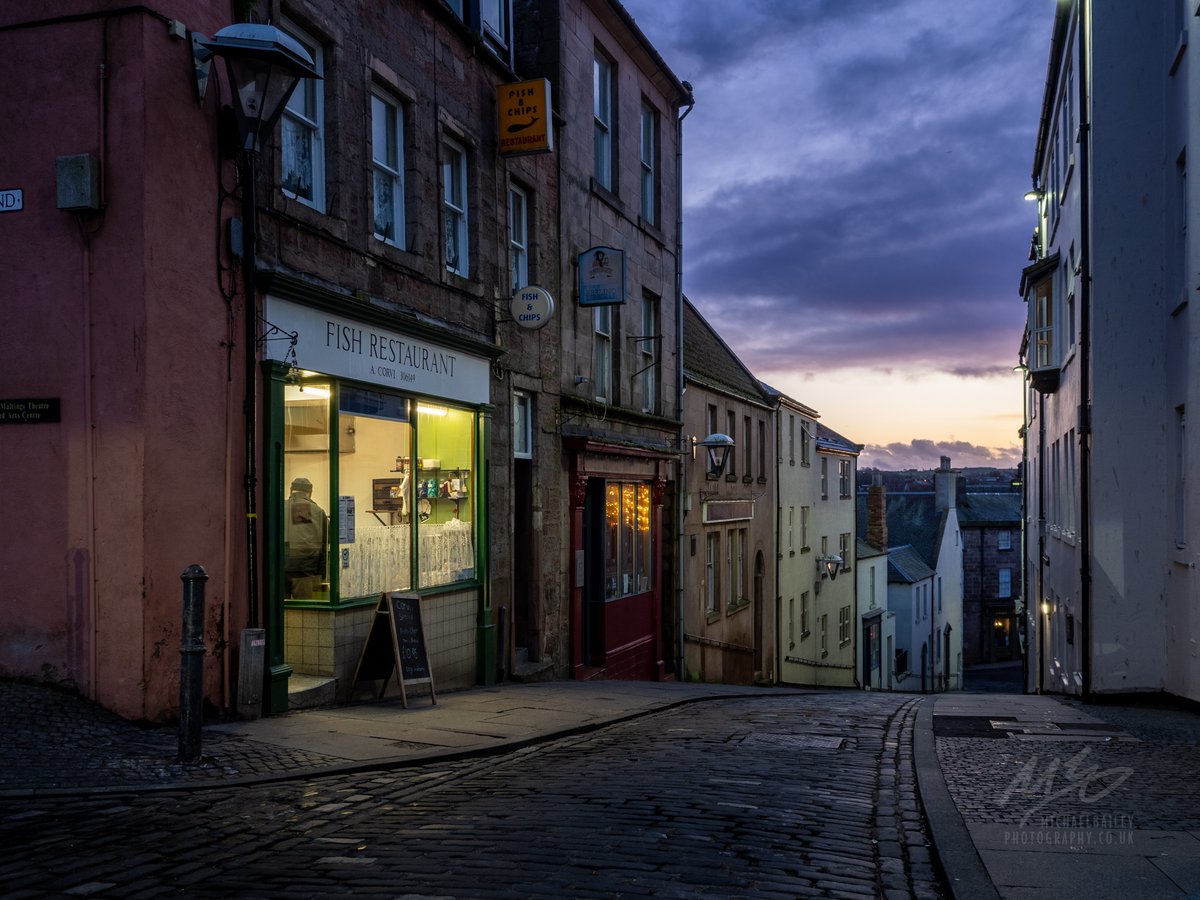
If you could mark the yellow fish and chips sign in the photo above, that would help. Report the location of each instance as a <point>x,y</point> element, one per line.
<point>525,117</point>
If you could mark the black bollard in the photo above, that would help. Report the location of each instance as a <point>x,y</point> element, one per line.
<point>191,664</point>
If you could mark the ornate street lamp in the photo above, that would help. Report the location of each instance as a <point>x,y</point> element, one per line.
<point>264,65</point>
<point>718,446</point>
<point>832,564</point>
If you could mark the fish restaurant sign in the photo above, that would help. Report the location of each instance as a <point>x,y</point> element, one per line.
<point>525,117</point>
<point>334,345</point>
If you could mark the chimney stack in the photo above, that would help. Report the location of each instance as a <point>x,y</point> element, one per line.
<point>877,535</point>
<point>945,486</point>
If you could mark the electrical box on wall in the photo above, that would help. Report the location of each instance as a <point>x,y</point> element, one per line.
<point>78,180</point>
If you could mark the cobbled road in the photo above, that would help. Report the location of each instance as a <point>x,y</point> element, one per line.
<point>796,796</point>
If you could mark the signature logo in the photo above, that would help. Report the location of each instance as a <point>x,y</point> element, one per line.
<point>1057,780</point>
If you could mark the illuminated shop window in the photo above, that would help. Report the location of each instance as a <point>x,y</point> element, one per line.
<point>628,565</point>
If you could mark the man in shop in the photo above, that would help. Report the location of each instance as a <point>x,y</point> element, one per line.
<point>305,533</point>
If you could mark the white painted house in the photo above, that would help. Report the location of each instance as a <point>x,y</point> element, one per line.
<point>1111,351</point>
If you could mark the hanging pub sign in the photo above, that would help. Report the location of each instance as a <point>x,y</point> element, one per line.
<point>525,117</point>
<point>601,277</point>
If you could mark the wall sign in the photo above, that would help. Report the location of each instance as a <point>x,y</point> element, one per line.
<point>532,307</point>
<point>338,345</point>
<point>30,412</point>
<point>12,200</point>
<point>525,117</point>
<point>601,277</point>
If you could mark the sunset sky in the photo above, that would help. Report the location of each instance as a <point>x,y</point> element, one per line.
<point>854,221</point>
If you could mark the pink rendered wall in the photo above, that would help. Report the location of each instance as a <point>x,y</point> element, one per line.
<point>126,326</point>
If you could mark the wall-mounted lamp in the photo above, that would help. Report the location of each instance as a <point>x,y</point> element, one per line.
<point>263,66</point>
<point>832,564</point>
<point>718,446</point>
<point>1035,194</point>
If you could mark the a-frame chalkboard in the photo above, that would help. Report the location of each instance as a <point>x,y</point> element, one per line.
<point>396,643</point>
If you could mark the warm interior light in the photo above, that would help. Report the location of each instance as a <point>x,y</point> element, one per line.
<point>432,410</point>
<point>1045,609</point>
<point>294,392</point>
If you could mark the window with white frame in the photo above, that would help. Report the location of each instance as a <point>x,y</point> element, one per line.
<point>712,553</point>
<point>791,439</point>
<point>791,622</point>
<point>602,357</point>
<point>648,342</point>
<point>522,425</point>
<point>843,478</point>
<point>844,550</point>
<point>302,132</point>
<point>844,626</point>
<point>804,632</point>
<point>493,16</point>
<point>805,516</point>
<point>518,237</point>
<point>1044,355</point>
<point>804,455</point>
<point>649,142</point>
<point>454,206</point>
<point>824,634</point>
<point>824,478</point>
<point>602,83</point>
<point>387,164</point>
<point>1004,540</point>
<point>1004,585</point>
<point>791,530</point>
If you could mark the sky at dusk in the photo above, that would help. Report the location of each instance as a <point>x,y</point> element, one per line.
<point>854,221</point>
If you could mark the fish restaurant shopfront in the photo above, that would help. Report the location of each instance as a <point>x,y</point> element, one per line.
<point>376,435</point>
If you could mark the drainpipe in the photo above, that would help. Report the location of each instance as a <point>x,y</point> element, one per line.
<point>1085,354</point>
<point>1043,619</point>
<point>681,491</point>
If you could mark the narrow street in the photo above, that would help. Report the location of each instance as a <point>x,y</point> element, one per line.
<point>795,796</point>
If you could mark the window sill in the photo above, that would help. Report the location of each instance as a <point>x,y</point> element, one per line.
<point>747,479</point>
<point>600,192</point>
<point>713,615</point>
<point>652,230</point>
<point>462,283</point>
<point>731,478</point>
<point>734,608</point>
<point>762,479</point>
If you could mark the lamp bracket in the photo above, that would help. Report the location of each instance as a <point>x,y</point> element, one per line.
<point>202,61</point>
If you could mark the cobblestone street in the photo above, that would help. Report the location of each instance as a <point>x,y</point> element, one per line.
<point>781,797</point>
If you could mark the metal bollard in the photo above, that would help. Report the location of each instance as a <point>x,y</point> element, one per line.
<point>191,664</point>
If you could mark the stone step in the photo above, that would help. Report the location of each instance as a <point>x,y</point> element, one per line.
<point>311,691</point>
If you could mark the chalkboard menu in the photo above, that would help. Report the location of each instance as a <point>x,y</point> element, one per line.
<point>396,643</point>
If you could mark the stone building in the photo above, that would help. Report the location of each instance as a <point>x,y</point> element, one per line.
<point>378,417</point>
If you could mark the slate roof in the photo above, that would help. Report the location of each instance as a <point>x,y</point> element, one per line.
<point>708,360</point>
<point>828,439</point>
<point>912,519</point>
<point>979,510</point>
<point>863,550</point>
<point>906,566</point>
